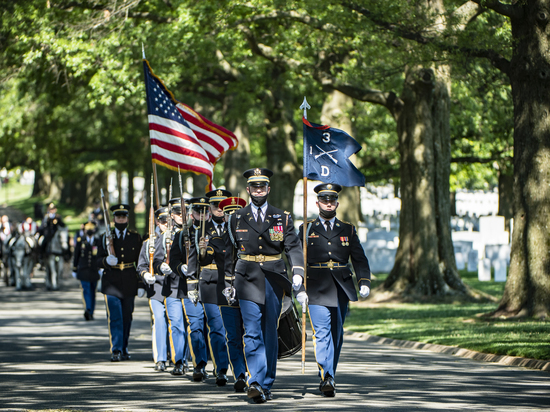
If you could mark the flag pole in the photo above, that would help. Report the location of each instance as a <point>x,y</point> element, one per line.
<point>156,184</point>
<point>304,106</point>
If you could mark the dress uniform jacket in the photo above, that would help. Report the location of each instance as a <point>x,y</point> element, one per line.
<point>154,291</point>
<point>210,265</point>
<point>276,234</point>
<point>178,258</point>
<point>338,246</point>
<point>85,259</point>
<point>121,281</point>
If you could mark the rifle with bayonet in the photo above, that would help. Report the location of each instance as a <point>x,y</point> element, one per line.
<point>108,234</point>
<point>151,230</point>
<point>169,234</point>
<point>185,227</point>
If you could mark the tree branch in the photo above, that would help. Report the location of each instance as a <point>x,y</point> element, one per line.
<point>475,159</point>
<point>509,10</point>
<point>496,59</point>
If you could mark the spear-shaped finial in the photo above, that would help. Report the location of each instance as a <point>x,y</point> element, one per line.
<point>143,51</point>
<point>305,105</point>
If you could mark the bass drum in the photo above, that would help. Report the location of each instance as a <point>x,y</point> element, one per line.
<point>289,330</point>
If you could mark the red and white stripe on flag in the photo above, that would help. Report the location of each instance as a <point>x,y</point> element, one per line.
<point>180,137</point>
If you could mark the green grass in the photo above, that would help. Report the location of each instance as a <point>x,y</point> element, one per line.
<point>454,324</point>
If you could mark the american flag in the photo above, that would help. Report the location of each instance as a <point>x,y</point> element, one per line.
<point>181,137</point>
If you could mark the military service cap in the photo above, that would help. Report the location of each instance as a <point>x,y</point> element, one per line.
<point>120,210</point>
<point>51,206</point>
<point>218,195</point>
<point>258,175</point>
<point>175,204</point>
<point>328,191</point>
<point>231,204</point>
<point>161,213</point>
<point>199,203</point>
<point>89,226</point>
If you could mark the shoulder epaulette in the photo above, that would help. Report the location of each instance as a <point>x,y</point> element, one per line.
<point>131,231</point>
<point>287,213</point>
<point>311,220</point>
<point>346,223</point>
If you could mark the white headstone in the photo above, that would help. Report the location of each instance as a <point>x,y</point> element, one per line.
<point>500,270</point>
<point>484,270</point>
<point>459,257</point>
<point>473,259</point>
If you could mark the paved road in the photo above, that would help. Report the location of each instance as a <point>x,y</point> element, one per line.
<point>51,358</point>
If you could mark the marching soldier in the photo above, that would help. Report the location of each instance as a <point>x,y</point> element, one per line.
<point>194,312</point>
<point>209,294</point>
<point>330,245</point>
<point>120,281</point>
<point>163,287</point>
<point>227,299</point>
<point>262,232</point>
<point>85,267</point>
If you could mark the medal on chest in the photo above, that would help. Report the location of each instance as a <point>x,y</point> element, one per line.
<point>276,233</point>
<point>344,240</point>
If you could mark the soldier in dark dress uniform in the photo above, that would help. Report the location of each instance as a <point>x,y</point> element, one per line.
<point>194,311</point>
<point>262,232</point>
<point>85,267</point>
<point>164,290</point>
<point>330,245</point>
<point>209,293</point>
<point>228,301</point>
<point>120,281</point>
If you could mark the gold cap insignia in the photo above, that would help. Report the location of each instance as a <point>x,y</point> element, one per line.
<point>257,172</point>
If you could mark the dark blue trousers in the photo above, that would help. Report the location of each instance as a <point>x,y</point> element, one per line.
<point>119,316</point>
<point>234,333</point>
<point>195,331</point>
<point>260,337</point>
<point>216,335</point>
<point>178,335</point>
<point>328,333</point>
<point>88,294</point>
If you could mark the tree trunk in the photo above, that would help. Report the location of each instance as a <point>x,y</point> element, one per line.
<point>334,113</point>
<point>425,263</point>
<point>527,291</point>
<point>506,196</point>
<point>235,163</point>
<point>281,154</point>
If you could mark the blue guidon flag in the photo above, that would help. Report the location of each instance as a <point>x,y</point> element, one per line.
<point>181,137</point>
<point>326,155</point>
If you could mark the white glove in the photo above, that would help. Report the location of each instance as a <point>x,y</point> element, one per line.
<point>165,268</point>
<point>149,278</point>
<point>100,272</point>
<point>141,292</point>
<point>364,291</point>
<point>111,260</point>
<point>184,269</point>
<point>74,274</point>
<point>297,281</point>
<point>302,300</point>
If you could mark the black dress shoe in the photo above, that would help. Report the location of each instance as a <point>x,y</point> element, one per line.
<point>268,395</point>
<point>178,369</point>
<point>116,356</point>
<point>126,356</point>
<point>329,394</point>
<point>160,366</point>
<point>199,374</point>
<point>239,384</point>
<point>256,393</point>
<point>88,315</point>
<point>221,379</point>
<point>327,385</point>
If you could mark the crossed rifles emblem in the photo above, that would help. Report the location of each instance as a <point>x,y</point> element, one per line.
<point>326,153</point>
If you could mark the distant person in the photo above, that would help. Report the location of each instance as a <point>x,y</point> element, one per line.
<point>85,267</point>
<point>330,245</point>
<point>50,224</point>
